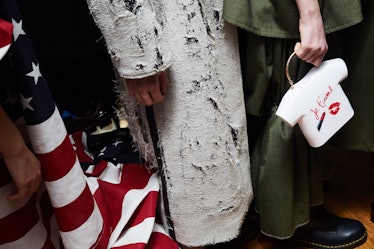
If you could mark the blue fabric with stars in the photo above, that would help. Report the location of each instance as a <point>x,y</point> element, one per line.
<point>24,92</point>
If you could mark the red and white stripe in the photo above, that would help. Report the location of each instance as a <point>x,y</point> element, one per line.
<point>109,206</point>
<point>27,222</point>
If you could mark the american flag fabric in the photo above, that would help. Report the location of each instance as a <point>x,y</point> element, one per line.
<point>88,200</point>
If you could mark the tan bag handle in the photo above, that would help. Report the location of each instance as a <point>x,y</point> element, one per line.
<point>287,72</point>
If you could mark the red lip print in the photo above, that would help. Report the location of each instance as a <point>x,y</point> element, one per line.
<point>334,108</point>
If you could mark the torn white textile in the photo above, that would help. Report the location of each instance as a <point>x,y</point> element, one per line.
<point>202,123</point>
<point>132,35</point>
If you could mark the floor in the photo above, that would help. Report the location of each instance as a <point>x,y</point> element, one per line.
<point>349,193</point>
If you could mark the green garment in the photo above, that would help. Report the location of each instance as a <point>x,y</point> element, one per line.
<point>287,174</point>
<point>358,133</point>
<point>280,18</point>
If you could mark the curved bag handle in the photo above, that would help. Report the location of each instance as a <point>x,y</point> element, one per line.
<point>287,71</point>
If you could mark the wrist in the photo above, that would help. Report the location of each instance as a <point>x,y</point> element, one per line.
<point>14,149</point>
<point>308,9</point>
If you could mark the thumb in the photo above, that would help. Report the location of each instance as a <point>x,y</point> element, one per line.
<point>297,46</point>
<point>164,82</point>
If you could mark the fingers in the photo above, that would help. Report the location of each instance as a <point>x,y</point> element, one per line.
<point>20,194</point>
<point>147,99</point>
<point>146,96</point>
<point>142,96</point>
<point>25,170</point>
<point>150,90</point>
<point>311,54</point>
<point>25,190</point>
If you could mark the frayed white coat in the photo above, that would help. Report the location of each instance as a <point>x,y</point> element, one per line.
<point>202,147</point>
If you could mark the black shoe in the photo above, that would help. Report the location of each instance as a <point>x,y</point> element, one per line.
<point>326,231</point>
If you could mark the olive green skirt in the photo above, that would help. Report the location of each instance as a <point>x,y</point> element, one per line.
<point>287,173</point>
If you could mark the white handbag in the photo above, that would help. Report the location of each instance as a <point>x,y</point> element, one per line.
<point>317,103</point>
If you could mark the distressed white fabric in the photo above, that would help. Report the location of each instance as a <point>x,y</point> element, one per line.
<point>202,123</point>
<point>133,36</point>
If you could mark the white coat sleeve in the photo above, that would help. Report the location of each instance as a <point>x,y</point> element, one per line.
<point>133,36</point>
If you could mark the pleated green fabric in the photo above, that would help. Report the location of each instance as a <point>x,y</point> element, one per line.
<point>287,173</point>
<point>358,133</point>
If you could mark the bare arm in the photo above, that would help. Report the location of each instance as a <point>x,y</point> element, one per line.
<point>313,45</point>
<point>22,164</point>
